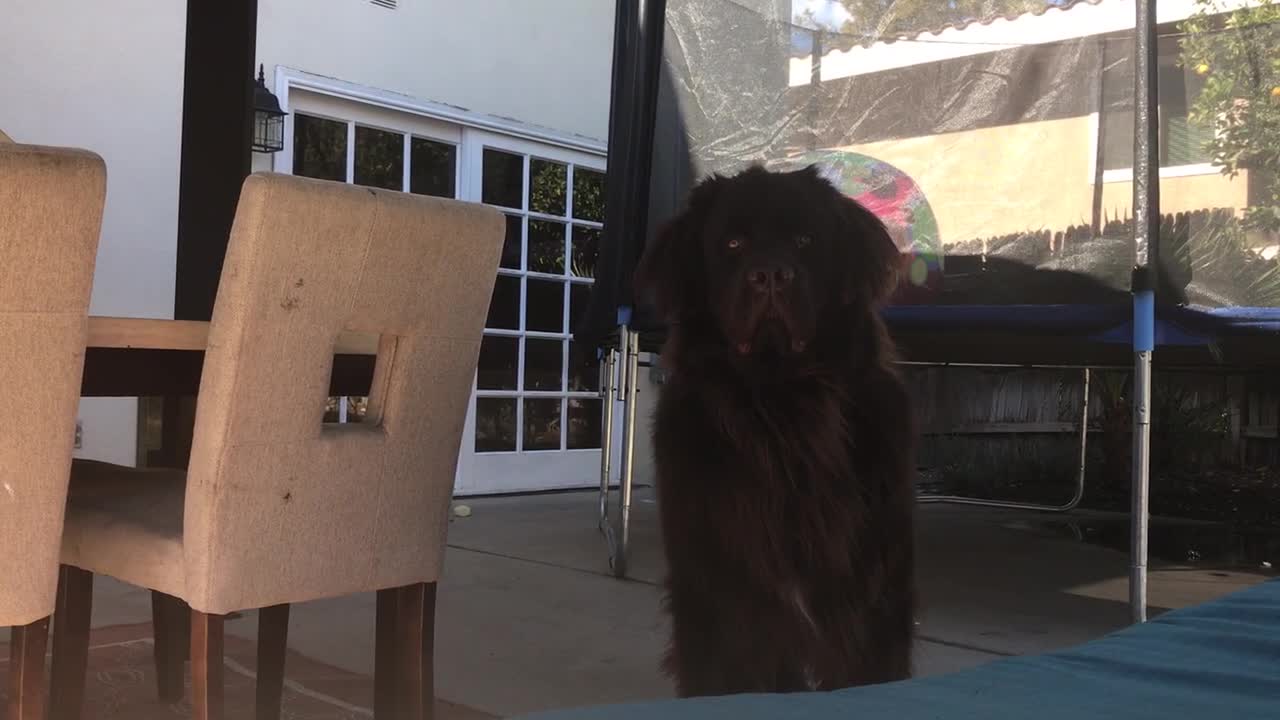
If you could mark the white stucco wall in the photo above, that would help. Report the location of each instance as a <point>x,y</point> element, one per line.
<point>543,62</point>
<point>109,77</point>
<point>70,76</point>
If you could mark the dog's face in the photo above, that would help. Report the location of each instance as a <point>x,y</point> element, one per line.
<point>765,257</point>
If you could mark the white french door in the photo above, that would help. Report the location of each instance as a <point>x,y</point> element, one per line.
<point>534,422</point>
<point>535,417</point>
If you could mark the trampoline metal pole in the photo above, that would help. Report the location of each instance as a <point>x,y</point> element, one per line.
<point>609,395</point>
<point>1141,477</point>
<point>631,376</point>
<point>1146,231</point>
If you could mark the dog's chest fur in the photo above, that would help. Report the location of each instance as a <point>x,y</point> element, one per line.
<point>781,464</point>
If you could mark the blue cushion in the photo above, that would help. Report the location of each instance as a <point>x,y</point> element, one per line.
<point>1217,660</point>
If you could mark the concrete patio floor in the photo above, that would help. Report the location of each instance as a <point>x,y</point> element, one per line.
<point>529,618</point>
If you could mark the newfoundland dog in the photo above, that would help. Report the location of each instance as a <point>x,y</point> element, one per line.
<point>783,440</point>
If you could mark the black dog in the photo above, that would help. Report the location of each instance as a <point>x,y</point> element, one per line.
<point>783,440</point>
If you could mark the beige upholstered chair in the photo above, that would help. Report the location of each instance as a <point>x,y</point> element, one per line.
<point>51,203</point>
<point>277,508</point>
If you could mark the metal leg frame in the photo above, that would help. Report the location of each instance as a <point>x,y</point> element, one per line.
<point>608,393</point>
<point>1141,488</point>
<point>617,530</point>
<point>1080,474</point>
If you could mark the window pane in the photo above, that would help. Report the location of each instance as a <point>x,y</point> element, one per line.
<point>585,420</point>
<point>495,424</point>
<point>546,246</point>
<point>548,182</point>
<point>319,148</point>
<point>1117,140</point>
<point>379,160</point>
<point>586,249</point>
<point>502,178</point>
<point>584,368</point>
<point>542,424</point>
<point>504,307</point>
<point>588,194</point>
<point>432,168</point>
<point>511,246</point>
<point>357,409</point>
<point>1185,142</point>
<point>543,365</point>
<point>496,369</point>
<point>545,306</point>
<point>579,296</point>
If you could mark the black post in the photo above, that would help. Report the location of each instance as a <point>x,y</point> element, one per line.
<point>638,32</point>
<point>217,129</point>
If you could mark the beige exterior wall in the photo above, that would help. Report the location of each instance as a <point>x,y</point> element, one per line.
<point>1180,194</point>
<point>1029,177</point>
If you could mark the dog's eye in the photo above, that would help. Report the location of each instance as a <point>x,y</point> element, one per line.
<point>734,243</point>
<point>803,241</point>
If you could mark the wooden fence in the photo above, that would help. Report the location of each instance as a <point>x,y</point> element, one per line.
<point>1022,425</point>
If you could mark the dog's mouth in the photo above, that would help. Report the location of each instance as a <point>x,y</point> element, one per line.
<point>771,328</point>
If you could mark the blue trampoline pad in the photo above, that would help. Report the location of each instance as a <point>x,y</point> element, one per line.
<point>1216,660</point>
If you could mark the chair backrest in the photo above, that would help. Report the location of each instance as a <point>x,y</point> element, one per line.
<point>279,507</point>
<point>51,202</point>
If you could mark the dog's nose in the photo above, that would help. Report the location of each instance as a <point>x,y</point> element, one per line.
<point>771,278</point>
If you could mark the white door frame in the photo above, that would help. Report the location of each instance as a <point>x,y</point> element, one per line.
<point>498,472</point>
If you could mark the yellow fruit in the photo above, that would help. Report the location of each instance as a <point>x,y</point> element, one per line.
<point>1275,92</point>
<point>1202,69</point>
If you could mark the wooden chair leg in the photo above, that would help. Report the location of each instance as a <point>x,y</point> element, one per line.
<point>170,623</point>
<point>273,644</point>
<point>417,659</point>
<point>206,666</point>
<point>27,646</point>
<point>386,654</point>
<point>71,643</point>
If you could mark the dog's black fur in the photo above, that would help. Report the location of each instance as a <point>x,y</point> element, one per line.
<point>783,440</point>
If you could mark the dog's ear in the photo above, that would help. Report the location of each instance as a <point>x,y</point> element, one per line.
<point>872,263</point>
<point>659,279</point>
<point>671,266</point>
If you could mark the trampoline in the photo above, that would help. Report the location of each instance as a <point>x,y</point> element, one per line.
<point>1020,162</point>
<point>1213,660</point>
<point>1047,191</point>
<point>1052,211</point>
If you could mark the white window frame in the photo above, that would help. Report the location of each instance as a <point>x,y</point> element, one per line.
<point>289,79</point>
<point>1125,175</point>
<point>528,469</point>
<point>531,151</point>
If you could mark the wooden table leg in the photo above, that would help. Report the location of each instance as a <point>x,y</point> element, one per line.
<point>273,647</point>
<point>27,646</point>
<point>171,626</point>
<point>417,659</point>
<point>206,666</point>
<point>386,693</point>
<point>178,419</point>
<point>71,643</point>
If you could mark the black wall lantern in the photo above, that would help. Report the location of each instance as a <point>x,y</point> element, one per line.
<point>268,118</point>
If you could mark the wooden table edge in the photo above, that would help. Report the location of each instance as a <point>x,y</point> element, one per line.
<point>187,335</point>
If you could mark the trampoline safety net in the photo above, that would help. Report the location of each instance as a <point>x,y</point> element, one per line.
<point>995,138</point>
